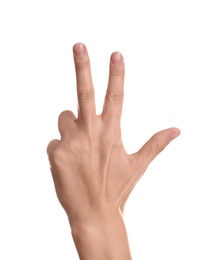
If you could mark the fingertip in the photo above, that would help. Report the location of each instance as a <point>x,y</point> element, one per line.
<point>116,58</point>
<point>174,133</point>
<point>79,49</point>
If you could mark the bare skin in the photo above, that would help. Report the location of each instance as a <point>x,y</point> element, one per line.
<point>93,174</point>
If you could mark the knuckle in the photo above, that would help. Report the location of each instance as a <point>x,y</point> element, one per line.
<point>86,95</point>
<point>116,73</point>
<point>65,114</point>
<point>51,145</point>
<point>114,97</point>
<point>57,156</point>
<point>82,64</point>
<point>156,147</point>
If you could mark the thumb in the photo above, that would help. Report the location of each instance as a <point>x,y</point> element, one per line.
<point>154,146</point>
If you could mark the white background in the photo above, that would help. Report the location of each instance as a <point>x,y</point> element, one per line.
<point>173,62</point>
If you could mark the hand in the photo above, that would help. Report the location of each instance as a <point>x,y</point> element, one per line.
<point>92,172</point>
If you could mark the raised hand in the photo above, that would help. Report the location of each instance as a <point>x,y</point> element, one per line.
<point>92,172</point>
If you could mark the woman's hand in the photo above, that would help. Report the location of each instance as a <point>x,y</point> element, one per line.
<point>92,172</point>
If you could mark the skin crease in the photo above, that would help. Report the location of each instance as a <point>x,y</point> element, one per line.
<point>92,173</point>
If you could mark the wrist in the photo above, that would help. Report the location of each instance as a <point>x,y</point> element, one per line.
<point>101,235</point>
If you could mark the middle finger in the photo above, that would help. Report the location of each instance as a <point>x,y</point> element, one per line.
<point>85,89</point>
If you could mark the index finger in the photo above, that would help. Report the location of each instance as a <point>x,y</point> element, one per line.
<point>85,89</point>
<point>115,91</point>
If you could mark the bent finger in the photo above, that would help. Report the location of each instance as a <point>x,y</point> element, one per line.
<point>66,123</point>
<point>52,145</point>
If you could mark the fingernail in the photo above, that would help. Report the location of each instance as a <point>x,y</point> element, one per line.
<point>174,134</point>
<point>79,49</point>
<point>116,58</point>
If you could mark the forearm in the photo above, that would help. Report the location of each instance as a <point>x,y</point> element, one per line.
<point>101,237</point>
